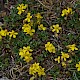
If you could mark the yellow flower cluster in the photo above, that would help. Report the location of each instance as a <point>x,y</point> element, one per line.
<point>50,47</point>
<point>67,11</point>
<point>36,69</point>
<point>55,28</point>
<point>78,66</point>
<point>41,27</point>
<point>72,47</point>
<point>62,58</point>
<point>27,28</point>
<point>21,8</point>
<point>25,53</point>
<point>5,33</point>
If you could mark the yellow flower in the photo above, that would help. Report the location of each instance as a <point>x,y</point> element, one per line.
<point>28,58</point>
<point>72,47</point>
<point>22,52</point>
<point>41,27</point>
<point>64,12</point>
<point>32,31</point>
<point>28,17</point>
<point>55,28</point>
<point>21,8</point>
<point>3,33</point>
<point>78,66</point>
<point>27,48</point>
<point>38,15</point>
<point>31,70</point>
<point>67,11</point>
<point>29,31</point>
<point>27,28</point>
<point>35,68</point>
<point>25,53</point>
<point>57,59</point>
<point>64,56</point>
<point>12,34</point>
<point>49,46</point>
<point>41,71</point>
<point>63,64</point>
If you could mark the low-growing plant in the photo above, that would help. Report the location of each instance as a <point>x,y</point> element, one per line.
<point>33,48</point>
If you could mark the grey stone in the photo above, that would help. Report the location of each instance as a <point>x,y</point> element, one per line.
<point>4,78</point>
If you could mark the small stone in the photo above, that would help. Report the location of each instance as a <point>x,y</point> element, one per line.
<point>4,78</point>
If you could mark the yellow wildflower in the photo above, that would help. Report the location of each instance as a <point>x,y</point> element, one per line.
<point>72,47</point>
<point>22,52</point>
<point>12,34</point>
<point>28,57</point>
<point>49,46</point>
<point>78,66</point>
<point>57,59</point>
<point>55,28</point>
<point>64,12</point>
<point>41,27</point>
<point>67,11</point>
<point>21,8</point>
<point>25,53</point>
<point>63,64</point>
<point>31,70</point>
<point>38,15</point>
<point>41,71</point>
<point>3,33</point>
<point>27,28</point>
<point>35,68</point>
<point>27,48</point>
<point>64,56</point>
<point>28,17</point>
